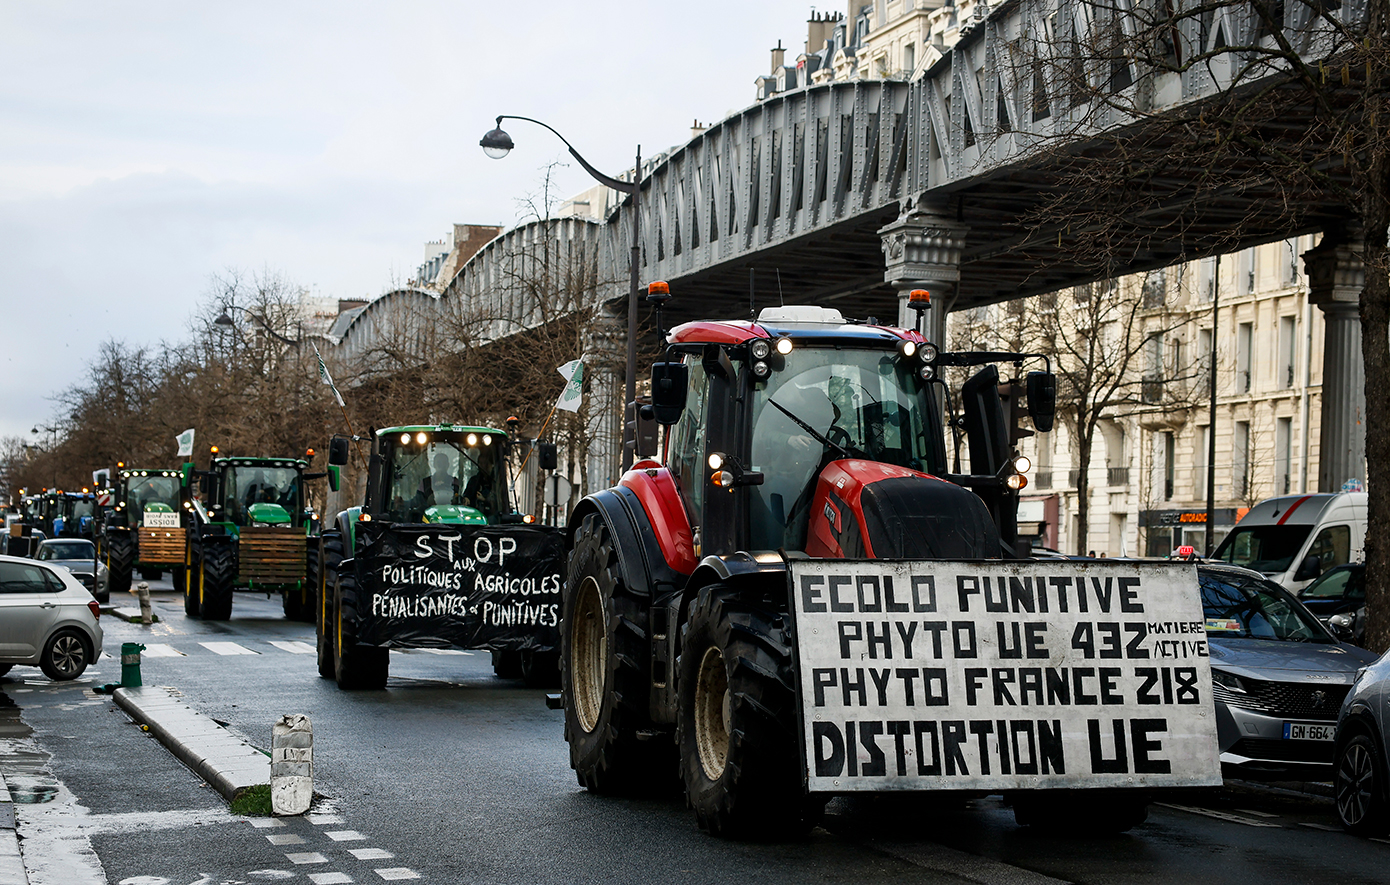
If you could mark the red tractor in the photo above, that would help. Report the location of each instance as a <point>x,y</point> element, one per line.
<point>795,442</point>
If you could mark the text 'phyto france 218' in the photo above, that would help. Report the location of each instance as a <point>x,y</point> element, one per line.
<point>969,675</point>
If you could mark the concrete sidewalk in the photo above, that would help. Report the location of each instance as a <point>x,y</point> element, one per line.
<point>226,762</point>
<point>11,864</point>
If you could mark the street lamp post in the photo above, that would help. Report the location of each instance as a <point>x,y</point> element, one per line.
<point>497,144</point>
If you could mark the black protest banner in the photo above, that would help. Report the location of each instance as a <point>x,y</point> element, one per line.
<point>977,675</point>
<point>458,586</point>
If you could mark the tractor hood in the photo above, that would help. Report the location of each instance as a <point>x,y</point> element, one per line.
<point>454,514</point>
<point>868,509</point>
<point>268,514</point>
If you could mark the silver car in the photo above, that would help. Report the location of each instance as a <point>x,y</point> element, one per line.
<point>78,555</point>
<point>1279,677</point>
<point>47,619</point>
<point>1362,784</point>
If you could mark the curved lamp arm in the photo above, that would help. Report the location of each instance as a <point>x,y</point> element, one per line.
<point>626,187</point>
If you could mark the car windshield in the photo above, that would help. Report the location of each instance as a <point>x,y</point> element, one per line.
<point>142,491</point>
<point>869,403</point>
<point>1263,548</point>
<point>1252,608</point>
<point>1340,583</point>
<point>248,485</point>
<point>445,470</point>
<point>67,550</point>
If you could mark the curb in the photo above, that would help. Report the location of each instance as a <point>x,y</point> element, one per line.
<point>12,870</point>
<point>226,762</point>
<point>130,615</point>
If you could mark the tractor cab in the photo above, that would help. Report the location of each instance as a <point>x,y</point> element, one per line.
<point>242,492</point>
<point>806,433</point>
<point>440,474</point>
<point>139,493</point>
<point>74,514</point>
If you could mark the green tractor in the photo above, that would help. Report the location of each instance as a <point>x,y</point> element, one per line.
<point>249,530</point>
<point>436,557</point>
<point>144,530</point>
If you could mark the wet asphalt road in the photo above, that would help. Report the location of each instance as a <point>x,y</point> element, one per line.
<point>452,775</point>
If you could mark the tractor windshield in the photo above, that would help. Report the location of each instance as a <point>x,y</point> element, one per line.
<point>142,491</point>
<point>248,485</point>
<point>446,478</point>
<point>866,403</point>
<point>78,507</point>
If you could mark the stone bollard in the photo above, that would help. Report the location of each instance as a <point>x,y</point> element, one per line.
<point>291,765</point>
<point>143,591</point>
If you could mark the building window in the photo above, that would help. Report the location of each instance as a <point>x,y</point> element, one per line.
<point>909,57</point>
<point>1240,459</point>
<point>1288,329</point>
<point>1151,386</point>
<point>1246,281</point>
<point>1245,342</point>
<point>1289,264</point>
<point>1199,475</point>
<point>1169,459</point>
<point>1205,359</point>
<point>1283,455</point>
<point>1155,289</point>
<point>1206,279</point>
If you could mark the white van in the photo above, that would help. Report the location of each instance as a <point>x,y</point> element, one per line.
<point>1294,538</point>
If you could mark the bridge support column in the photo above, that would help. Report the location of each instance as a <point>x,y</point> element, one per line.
<point>605,371</point>
<point>921,250</point>
<point>1336,277</point>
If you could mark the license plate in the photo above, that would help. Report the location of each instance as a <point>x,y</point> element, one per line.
<point>1309,731</point>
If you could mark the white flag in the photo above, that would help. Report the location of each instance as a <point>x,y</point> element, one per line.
<point>327,378</point>
<point>573,394</point>
<point>185,441</point>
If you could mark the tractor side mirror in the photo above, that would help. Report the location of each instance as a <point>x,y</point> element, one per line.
<point>1042,400</point>
<point>205,485</point>
<point>335,478</point>
<point>338,451</point>
<point>670,382</point>
<point>546,457</point>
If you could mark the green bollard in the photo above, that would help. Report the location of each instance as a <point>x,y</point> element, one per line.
<point>130,664</point>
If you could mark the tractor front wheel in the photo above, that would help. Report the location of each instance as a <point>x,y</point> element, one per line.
<point>120,559</point>
<point>218,576</point>
<point>357,666</point>
<point>324,616</point>
<point>604,652</point>
<point>736,720</point>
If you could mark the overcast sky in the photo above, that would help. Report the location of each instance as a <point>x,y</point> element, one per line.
<point>146,146</point>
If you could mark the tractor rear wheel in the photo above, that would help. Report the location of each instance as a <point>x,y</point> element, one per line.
<point>604,649</point>
<point>357,666</point>
<point>736,719</point>
<point>301,601</point>
<point>324,616</point>
<point>193,587</point>
<point>218,576</point>
<point>120,553</point>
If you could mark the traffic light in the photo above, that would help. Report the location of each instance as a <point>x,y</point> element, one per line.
<point>642,427</point>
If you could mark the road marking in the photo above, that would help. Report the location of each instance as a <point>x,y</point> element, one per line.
<point>370,853</point>
<point>1220,815</point>
<point>264,823</point>
<point>302,857</point>
<point>445,651</point>
<point>319,820</point>
<point>160,650</point>
<point>1324,827</point>
<point>294,647</point>
<point>227,648</point>
<point>346,836</point>
<point>286,839</point>
<point>1378,839</point>
<point>391,874</point>
<point>1256,812</point>
<point>329,878</point>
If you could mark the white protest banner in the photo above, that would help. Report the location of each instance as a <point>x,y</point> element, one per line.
<point>972,675</point>
<point>573,393</point>
<point>185,441</point>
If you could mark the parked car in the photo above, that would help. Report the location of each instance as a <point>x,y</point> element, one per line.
<point>1361,784</point>
<point>47,619</point>
<point>79,556</point>
<point>1338,599</point>
<point>1279,677</point>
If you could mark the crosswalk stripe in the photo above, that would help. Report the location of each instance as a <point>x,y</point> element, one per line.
<point>294,647</point>
<point>1220,815</point>
<point>227,648</point>
<point>160,650</point>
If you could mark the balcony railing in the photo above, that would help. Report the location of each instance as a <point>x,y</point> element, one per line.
<point>1044,479</point>
<point>1117,476</point>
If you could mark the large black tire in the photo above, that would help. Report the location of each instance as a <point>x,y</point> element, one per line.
<point>219,575</point>
<point>1360,786</point>
<point>176,576</point>
<point>356,666</point>
<point>192,601</point>
<point>120,560</point>
<point>65,656</point>
<point>1071,811</point>
<point>540,669</point>
<point>151,574</point>
<point>736,719</point>
<point>324,616</point>
<point>604,672</point>
<point>301,602</point>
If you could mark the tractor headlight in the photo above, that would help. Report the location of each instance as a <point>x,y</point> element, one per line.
<point>405,439</point>
<point>716,460</point>
<point>784,346</point>
<point>761,369</point>
<point>927,373</point>
<point>1022,464</point>
<point>471,439</point>
<point>928,352</point>
<point>487,439</point>
<point>760,349</point>
<point>1017,481</point>
<point>907,349</point>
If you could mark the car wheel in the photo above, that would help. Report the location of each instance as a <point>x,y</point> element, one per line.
<point>1360,787</point>
<point>65,656</point>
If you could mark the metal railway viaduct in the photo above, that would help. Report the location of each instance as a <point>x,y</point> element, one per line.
<point>850,194</point>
